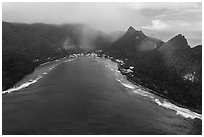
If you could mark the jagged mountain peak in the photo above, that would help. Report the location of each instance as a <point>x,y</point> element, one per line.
<point>136,33</point>
<point>131,29</point>
<point>179,41</point>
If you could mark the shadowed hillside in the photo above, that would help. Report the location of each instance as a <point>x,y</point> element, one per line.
<point>25,46</point>
<point>172,69</point>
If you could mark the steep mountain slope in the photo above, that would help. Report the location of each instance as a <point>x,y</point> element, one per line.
<point>177,69</point>
<point>35,38</point>
<point>32,40</point>
<point>172,69</point>
<point>26,45</point>
<point>133,44</point>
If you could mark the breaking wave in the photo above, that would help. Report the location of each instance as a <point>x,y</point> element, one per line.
<point>122,79</point>
<point>68,60</point>
<point>179,110</point>
<point>44,63</point>
<point>141,91</point>
<point>32,81</point>
<point>26,84</point>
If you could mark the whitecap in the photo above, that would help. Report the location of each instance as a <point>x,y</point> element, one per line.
<point>179,110</point>
<point>135,89</point>
<point>128,85</point>
<point>44,63</point>
<point>28,83</point>
<point>69,60</point>
<point>24,85</point>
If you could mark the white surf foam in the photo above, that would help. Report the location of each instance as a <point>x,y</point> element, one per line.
<point>31,81</point>
<point>179,110</point>
<point>128,85</point>
<point>166,104</point>
<point>26,84</point>
<point>44,63</point>
<point>136,89</point>
<point>69,60</point>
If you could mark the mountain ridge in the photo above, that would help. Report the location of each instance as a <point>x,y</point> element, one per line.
<point>171,68</point>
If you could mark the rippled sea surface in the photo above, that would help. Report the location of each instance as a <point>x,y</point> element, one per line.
<point>86,95</point>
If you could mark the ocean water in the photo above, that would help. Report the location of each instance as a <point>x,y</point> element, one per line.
<point>88,95</point>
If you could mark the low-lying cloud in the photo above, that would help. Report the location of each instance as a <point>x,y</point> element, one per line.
<point>158,17</point>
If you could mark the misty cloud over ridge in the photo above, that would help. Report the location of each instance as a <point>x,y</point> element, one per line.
<point>160,20</point>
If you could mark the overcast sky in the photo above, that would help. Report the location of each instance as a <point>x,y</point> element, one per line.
<point>160,20</point>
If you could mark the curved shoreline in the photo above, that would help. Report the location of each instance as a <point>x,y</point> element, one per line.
<point>180,110</point>
<point>165,97</point>
<point>168,104</point>
<point>25,84</point>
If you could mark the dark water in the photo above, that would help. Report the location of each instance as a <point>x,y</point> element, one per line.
<point>82,97</point>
